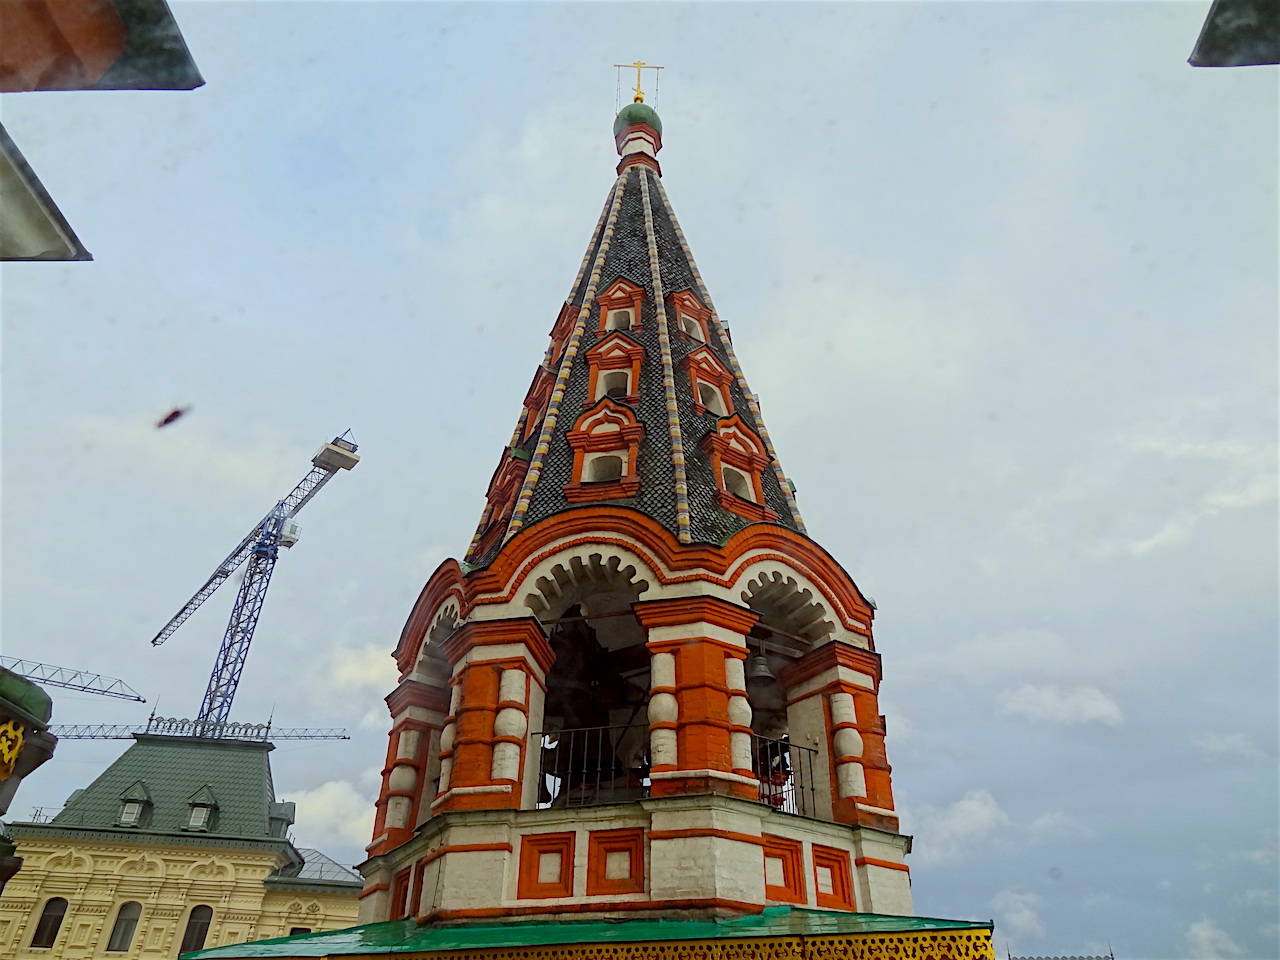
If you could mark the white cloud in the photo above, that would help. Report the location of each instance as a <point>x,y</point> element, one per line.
<point>1261,898</point>
<point>333,814</point>
<point>1207,941</point>
<point>1062,705</point>
<point>1057,826</point>
<point>181,454</point>
<point>1019,912</point>
<point>944,836</point>
<point>1266,853</point>
<point>370,668</point>
<point>1013,654</point>
<point>1229,745</point>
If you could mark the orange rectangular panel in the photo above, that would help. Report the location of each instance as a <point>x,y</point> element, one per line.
<point>783,869</point>
<point>615,862</point>
<point>400,895</point>
<point>546,866</point>
<point>833,884</point>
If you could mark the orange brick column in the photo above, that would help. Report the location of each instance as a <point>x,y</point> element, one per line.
<point>696,716</point>
<point>847,679</point>
<point>485,739</point>
<point>418,715</point>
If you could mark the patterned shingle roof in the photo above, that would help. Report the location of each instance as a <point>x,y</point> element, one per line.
<point>639,240</point>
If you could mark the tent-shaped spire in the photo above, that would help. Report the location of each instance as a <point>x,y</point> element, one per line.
<point>639,401</point>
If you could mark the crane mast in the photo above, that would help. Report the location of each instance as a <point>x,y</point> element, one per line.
<point>259,550</point>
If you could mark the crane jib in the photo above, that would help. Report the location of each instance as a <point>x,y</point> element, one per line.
<point>260,549</point>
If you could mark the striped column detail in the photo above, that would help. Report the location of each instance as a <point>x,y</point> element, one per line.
<point>566,365</point>
<point>752,403</point>
<point>668,368</point>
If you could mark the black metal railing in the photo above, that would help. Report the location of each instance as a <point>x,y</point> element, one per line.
<point>587,765</point>
<point>590,765</point>
<point>785,772</point>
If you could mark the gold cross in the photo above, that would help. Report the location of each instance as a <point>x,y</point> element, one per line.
<point>639,65</point>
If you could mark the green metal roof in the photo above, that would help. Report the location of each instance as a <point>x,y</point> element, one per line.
<point>168,772</point>
<point>407,936</point>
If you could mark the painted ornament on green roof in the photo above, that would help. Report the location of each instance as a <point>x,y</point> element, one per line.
<point>636,113</point>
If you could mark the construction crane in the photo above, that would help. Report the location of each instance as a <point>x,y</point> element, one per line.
<point>71,678</point>
<point>259,550</point>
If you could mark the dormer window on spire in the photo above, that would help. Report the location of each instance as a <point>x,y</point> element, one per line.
<point>709,381</point>
<point>614,370</point>
<point>606,445</point>
<point>738,460</point>
<point>620,306</point>
<point>693,320</point>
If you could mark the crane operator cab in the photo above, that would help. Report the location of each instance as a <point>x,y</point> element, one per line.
<point>338,455</point>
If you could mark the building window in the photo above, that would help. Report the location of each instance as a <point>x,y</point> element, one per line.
<point>197,929</point>
<point>199,817</point>
<point>50,923</point>
<point>692,328</point>
<point>126,924</point>
<point>296,931</point>
<point>618,320</point>
<point>603,469</point>
<point>737,483</point>
<point>615,385</point>
<point>710,398</point>
<point>130,813</point>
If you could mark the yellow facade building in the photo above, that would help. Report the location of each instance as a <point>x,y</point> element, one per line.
<point>179,845</point>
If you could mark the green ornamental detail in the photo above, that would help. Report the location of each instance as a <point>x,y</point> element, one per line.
<point>636,113</point>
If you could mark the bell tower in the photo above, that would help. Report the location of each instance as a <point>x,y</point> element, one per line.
<point>645,691</point>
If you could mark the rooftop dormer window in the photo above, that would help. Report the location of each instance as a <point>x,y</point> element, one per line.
<point>618,320</point>
<point>203,806</point>
<point>692,328</point>
<point>134,805</point>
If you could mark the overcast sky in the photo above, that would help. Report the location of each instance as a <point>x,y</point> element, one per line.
<point>1003,275</point>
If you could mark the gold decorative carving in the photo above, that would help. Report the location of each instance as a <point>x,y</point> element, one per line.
<point>919,945</point>
<point>11,741</point>
<point>772,948</point>
<point>915,945</point>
